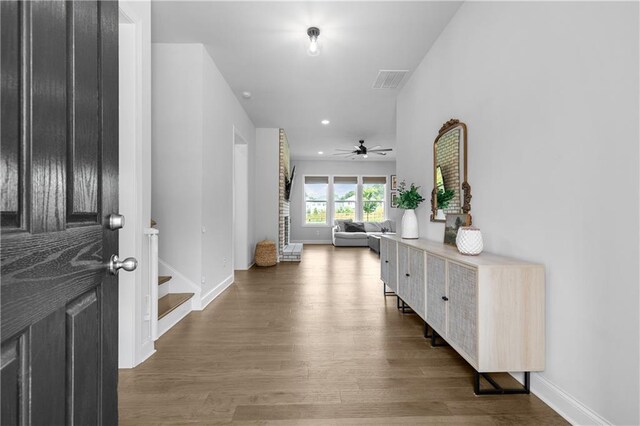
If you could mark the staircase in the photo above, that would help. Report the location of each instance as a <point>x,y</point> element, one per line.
<point>172,306</point>
<point>168,302</point>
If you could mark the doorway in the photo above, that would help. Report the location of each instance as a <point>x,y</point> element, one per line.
<point>241,249</point>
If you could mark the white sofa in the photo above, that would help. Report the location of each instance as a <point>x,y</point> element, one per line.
<point>341,238</point>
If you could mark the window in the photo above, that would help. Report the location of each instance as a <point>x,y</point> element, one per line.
<point>315,199</point>
<point>373,196</point>
<point>345,191</point>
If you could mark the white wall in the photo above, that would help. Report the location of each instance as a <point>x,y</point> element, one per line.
<point>222,113</point>
<point>177,155</point>
<point>135,340</point>
<point>322,234</point>
<point>267,175</point>
<point>550,95</point>
<point>194,117</point>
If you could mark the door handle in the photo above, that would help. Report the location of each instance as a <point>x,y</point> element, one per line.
<point>116,221</point>
<point>407,274</point>
<point>115,264</point>
<point>445,298</point>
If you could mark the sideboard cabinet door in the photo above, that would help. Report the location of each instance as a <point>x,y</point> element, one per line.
<point>403,272</point>
<point>436,289</point>
<point>463,309</point>
<point>384,260</point>
<point>392,256</point>
<point>416,288</point>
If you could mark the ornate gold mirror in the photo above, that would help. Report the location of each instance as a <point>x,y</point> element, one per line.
<point>451,191</point>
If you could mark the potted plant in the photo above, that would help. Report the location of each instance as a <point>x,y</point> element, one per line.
<point>409,200</point>
<point>444,197</point>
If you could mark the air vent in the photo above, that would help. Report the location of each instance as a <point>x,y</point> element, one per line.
<point>389,79</point>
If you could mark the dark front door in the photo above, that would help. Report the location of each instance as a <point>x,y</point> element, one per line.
<point>59,176</point>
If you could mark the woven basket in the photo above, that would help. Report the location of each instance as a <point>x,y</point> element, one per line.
<point>266,254</point>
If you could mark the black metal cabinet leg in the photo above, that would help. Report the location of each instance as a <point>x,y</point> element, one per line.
<point>496,388</point>
<point>434,339</point>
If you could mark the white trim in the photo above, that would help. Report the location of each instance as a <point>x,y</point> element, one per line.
<point>326,224</point>
<point>215,292</point>
<point>312,242</point>
<point>562,402</point>
<point>247,267</point>
<point>172,318</point>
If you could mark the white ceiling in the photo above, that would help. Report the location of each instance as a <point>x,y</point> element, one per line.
<point>260,47</point>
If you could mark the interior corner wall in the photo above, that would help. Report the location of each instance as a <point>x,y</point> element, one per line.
<point>549,92</point>
<point>322,234</point>
<point>176,155</point>
<point>222,114</point>
<point>267,179</point>
<point>194,116</point>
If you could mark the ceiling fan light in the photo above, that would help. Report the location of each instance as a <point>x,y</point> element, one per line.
<point>314,47</point>
<point>365,156</point>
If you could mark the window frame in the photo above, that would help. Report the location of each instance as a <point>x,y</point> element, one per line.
<point>386,202</point>
<point>329,214</point>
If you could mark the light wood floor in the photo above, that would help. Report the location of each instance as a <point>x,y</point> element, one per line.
<point>314,342</point>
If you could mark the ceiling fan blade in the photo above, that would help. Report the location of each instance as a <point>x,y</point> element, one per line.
<point>373,148</point>
<point>381,150</point>
<point>337,149</point>
<point>344,153</point>
<point>380,153</point>
<point>357,147</point>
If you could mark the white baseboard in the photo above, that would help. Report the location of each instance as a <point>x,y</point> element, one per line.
<point>148,349</point>
<point>215,292</point>
<point>312,241</point>
<point>564,404</point>
<point>246,268</point>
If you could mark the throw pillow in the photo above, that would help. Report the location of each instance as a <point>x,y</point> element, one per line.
<point>354,227</point>
<point>340,224</point>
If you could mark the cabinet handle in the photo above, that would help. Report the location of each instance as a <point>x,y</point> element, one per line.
<point>407,274</point>
<point>445,298</point>
<point>386,261</point>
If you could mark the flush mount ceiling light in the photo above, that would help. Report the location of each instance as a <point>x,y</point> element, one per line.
<point>314,47</point>
<point>325,122</point>
<point>246,95</point>
<point>320,152</point>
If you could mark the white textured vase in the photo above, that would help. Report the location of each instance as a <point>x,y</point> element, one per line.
<point>469,240</point>
<point>409,224</point>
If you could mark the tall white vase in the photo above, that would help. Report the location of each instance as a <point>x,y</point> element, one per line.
<point>409,224</point>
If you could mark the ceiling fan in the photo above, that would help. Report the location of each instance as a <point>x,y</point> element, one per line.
<point>363,150</point>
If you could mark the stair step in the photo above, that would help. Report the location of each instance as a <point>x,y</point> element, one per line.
<point>163,279</point>
<point>170,302</point>
<point>153,223</point>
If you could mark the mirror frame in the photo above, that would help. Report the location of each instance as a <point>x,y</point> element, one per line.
<point>466,188</point>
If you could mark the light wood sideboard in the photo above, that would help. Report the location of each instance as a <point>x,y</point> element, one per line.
<point>489,308</point>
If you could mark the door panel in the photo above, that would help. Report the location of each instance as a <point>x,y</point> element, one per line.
<point>436,288</point>
<point>59,183</point>
<point>463,311</point>
<point>392,254</point>
<point>384,260</point>
<point>403,271</point>
<point>417,287</point>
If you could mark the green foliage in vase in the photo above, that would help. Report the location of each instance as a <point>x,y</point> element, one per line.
<point>408,199</point>
<point>444,196</point>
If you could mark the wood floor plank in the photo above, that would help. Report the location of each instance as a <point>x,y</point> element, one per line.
<point>311,343</point>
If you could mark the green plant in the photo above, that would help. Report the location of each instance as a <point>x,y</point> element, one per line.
<point>408,198</point>
<point>444,196</point>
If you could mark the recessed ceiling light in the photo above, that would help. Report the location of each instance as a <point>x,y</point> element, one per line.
<point>325,122</point>
<point>320,152</point>
<point>246,95</point>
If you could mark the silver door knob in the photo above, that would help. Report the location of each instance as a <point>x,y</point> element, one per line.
<point>115,264</point>
<point>116,221</point>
